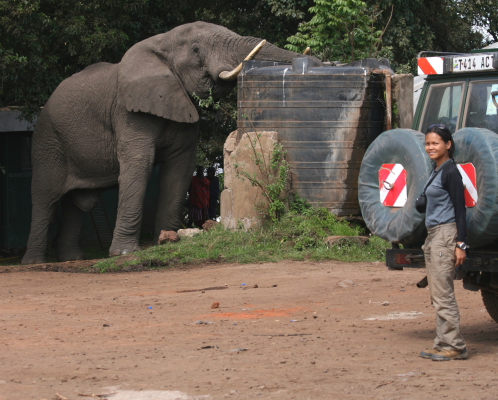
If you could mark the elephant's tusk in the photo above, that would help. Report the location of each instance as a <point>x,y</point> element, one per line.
<point>231,75</point>
<point>307,51</point>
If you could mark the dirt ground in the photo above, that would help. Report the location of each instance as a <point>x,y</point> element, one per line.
<point>289,330</point>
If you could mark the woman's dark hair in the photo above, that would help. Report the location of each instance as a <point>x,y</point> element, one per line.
<point>445,134</point>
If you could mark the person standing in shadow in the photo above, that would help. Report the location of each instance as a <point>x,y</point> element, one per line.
<point>198,199</point>
<point>214,192</point>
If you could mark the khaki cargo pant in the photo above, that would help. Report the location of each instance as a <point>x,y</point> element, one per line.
<point>439,252</point>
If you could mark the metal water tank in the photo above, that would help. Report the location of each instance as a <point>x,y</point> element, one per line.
<point>325,116</point>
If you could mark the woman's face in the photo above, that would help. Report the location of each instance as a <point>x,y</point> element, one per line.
<point>436,147</point>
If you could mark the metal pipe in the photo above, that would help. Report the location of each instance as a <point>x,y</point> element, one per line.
<point>389,108</point>
<point>423,283</point>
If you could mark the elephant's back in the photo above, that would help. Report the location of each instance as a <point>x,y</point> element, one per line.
<point>85,100</point>
<point>76,122</point>
<point>96,83</point>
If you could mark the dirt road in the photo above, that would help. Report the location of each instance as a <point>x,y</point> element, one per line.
<point>291,330</point>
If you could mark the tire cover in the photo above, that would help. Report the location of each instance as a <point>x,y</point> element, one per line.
<point>480,147</point>
<point>403,224</point>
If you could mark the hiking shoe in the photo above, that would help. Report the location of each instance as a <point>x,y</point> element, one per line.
<point>447,355</point>
<point>429,353</point>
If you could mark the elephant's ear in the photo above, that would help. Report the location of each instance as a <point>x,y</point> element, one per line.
<point>147,84</point>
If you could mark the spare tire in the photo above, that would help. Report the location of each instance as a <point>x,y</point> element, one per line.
<point>395,224</point>
<point>479,146</point>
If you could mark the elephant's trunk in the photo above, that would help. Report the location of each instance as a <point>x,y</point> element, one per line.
<point>232,75</point>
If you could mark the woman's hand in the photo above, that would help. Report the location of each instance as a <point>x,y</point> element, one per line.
<point>460,256</point>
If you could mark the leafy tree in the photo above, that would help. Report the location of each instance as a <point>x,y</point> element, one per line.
<point>43,42</point>
<point>482,14</point>
<point>417,25</point>
<point>406,27</point>
<point>339,29</point>
<point>273,20</point>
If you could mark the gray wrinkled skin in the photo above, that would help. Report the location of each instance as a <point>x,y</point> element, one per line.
<point>110,123</point>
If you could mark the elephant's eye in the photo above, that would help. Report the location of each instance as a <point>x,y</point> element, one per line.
<point>195,49</point>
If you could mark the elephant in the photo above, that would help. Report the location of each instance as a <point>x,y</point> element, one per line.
<point>110,124</point>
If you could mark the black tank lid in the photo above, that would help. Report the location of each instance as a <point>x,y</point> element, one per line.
<point>307,65</point>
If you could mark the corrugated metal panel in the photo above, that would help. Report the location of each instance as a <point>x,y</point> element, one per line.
<point>16,191</point>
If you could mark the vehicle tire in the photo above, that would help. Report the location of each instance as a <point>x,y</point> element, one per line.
<point>406,147</point>
<point>490,301</point>
<point>480,147</point>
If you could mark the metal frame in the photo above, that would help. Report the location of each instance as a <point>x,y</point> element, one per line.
<point>478,260</point>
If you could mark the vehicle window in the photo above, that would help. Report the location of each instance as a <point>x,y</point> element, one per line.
<point>481,111</point>
<point>443,105</point>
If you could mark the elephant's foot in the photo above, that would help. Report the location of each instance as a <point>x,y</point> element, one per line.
<point>34,255</point>
<point>69,252</point>
<point>63,256</point>
<point>120,249</point>
<point>32,259</point>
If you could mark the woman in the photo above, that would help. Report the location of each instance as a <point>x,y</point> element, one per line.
<point>444,248</point>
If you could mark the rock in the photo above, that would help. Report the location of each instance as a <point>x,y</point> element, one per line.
<point>346,283</point>
<point>168,236</point>
<point>191,232</point>
<point>209,224</point>
<point>342,240</point>
<point>215,305</point>
<point>239,199</point>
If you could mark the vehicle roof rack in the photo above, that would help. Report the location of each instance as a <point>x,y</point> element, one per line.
<point>439,54</point>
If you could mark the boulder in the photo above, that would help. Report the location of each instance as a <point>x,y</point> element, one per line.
<point>190,232</point>
<point>209,224</point>
<point>240,199</point>
<point>168,236</point>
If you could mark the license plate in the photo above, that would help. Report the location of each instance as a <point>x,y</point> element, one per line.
<point>472,63</point>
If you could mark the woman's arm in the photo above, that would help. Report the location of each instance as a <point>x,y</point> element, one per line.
<point>452,182</point>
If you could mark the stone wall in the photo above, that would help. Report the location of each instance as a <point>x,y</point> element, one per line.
<point>239,199</point>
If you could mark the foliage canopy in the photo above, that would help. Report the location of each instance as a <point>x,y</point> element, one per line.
<point>340,29</point>
<point>43,42</point>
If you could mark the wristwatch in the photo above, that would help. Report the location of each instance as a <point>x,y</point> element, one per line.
<point>462,246</point>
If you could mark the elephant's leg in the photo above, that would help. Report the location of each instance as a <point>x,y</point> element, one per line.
<point>135,171</point>
<point>37,242</point>
<point>68,247</point>
<point>177,167</point>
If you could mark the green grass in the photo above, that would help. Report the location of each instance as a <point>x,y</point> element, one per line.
<point>299,235</point>
<point>295,237</point>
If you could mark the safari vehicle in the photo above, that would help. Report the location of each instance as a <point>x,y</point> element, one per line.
<point>461,92</point>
